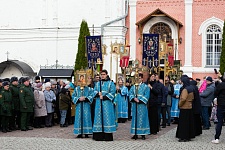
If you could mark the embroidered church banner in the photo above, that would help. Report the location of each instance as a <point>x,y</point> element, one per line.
<point>150,55</point>
<point>94,50</point>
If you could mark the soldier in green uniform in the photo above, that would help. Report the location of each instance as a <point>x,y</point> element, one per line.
<point>14,88</point>
<point>26,104</point>
<point>1,88</point>
<point>6,106</point>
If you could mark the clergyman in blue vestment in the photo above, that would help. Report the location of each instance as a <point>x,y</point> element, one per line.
<point>104,119</point>
<point>83,99</point>
<point>139,95</point>
<point>121,100</point>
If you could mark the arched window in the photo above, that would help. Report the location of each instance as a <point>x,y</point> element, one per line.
<point>213,45</point>
<point>163,30</point>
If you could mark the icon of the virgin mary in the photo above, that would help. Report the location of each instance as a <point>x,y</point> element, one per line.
<point>150,45</point>
<point>94,47</point>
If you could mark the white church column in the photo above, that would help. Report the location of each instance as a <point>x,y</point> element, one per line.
<point>132,43</point>
<point>188,38</point>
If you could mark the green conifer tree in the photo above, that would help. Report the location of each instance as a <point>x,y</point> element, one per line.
<point>81,57</point>
<point>222,56</point>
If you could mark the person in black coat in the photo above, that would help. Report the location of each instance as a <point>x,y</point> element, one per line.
<point>196,107</point>
<point>153,105</point>
<point>220,94</point>
<point>170,89</point>
<point>128,85</point>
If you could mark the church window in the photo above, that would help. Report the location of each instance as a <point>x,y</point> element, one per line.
<point>213,45</point>
<point>164,31</point>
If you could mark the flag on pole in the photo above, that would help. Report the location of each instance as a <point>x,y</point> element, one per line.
<point>94,50</point>
<point>150,55</point>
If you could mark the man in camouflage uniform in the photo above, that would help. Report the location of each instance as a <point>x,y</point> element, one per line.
<point>26,104</point>
<point>6,106</point>
<point>14,88</point>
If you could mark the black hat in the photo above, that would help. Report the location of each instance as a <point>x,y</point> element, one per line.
<point>47,80</point>
<point>209,79</point>
<point>20,80</point>
<point>37,78</point>
<point>1,80</point>
<point>197,79</point>
<point>14,79</point>
<point>5,83</point>
<point>25,79</point>
<point>6,79</point>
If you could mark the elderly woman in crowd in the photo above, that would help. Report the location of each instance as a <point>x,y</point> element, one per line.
<point>39,106</point>
<point>50,100</point>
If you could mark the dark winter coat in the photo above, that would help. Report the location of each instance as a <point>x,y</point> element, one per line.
<point>207,96</point>
<point>220,94</point>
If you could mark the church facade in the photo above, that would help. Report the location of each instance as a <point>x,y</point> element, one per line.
<point>192,29</point>
<point>47,32</point>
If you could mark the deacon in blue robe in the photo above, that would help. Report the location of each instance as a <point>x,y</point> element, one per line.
<point>141,125</point>
<point>104,119</point>
<point>121,102</point>
<point>175,111</point>
<point>83,99</point>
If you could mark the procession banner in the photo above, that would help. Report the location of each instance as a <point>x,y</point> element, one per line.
<point>124,56</point>
<point>150,55</point>
<point>94,50</point>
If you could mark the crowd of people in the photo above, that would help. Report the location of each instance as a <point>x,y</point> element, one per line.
<point>100,106</point>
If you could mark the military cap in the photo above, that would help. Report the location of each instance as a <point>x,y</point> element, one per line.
<point>6,79</point>
<point>20,80</point>
<point>25,79</point>
<point>14,79</point>
<point>5,83</point>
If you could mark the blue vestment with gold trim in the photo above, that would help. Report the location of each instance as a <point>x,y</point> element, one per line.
<point>143,95</point>
<point>87,92</point>
<point>108,89</point>
<point>122,102</point>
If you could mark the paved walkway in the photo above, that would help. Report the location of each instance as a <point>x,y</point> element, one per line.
<point>57,138</point>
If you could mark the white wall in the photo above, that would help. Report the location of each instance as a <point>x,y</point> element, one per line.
<point>21,37</point>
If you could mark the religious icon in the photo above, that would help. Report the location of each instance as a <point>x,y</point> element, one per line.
<point>127,51</point>
<point>150,45</point>
<point>93,47</point>
<point>128,71</point>
<point>82,78</point>
<point>120,77</point>
<point>115,49</point>
<point>121,49</point>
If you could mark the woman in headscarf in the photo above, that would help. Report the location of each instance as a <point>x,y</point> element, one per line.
<point>185,128</point>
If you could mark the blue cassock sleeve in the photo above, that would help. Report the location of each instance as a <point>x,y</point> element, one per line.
<point>90,95</point>
<point>132,93</point>
<point>112,91</point>
<point>124,91</point>
<point>75,96</point>
<point>143,93</point>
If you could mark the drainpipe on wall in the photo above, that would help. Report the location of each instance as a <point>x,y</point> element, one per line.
<point>115,20</point>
